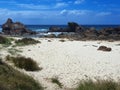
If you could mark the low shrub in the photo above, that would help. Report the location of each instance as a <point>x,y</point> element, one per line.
<point>56,81</point>
<point>99,85</point>
<point>14,51</point>
<point>24,63</point>
<point>5,41</point>
<point>11,79</point>
<point>26,41</point>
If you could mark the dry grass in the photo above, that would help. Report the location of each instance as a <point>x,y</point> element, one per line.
<point>99,85</point>
<point>5,41</point>
<point>26,41</point>
<point>24,63</point>
<point>56,81</point>
<point>11,79</point>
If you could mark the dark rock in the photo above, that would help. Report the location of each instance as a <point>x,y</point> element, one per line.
<point>104,48</point>
<point>74,27</point>
<point>110,31</point>
<point>51,36</point>
<point>17,28</point>
<point>55,29</point>
<point>91,33</point>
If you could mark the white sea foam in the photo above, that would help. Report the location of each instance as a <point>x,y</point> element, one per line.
<point>0,29</point>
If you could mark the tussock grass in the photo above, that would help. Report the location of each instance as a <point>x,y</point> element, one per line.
<point>14,51</point>
<point>5,41</point>
<point>99,85</point>
<point>56,81</point>
<point>26,41</point>
<point>11,79</point>
<point>24,63</point>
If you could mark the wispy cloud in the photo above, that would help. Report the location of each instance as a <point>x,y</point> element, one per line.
<point>32,6</point>
<point>74,12</point>
<point>103,13</point>
<point>79,1</point>
<point>40,7</point>
<point>62,4</point>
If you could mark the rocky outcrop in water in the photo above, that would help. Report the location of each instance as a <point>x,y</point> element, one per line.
<point>15,28</point>
<point>83,33</point>
<point>55,29</point>
<point>72,27</point>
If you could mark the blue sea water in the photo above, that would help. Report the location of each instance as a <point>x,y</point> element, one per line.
<point>45,28</point>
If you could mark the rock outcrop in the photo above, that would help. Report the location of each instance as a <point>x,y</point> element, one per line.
<point>104,48</point>
<point>109,33</point>
<point>15,28</point>
<point>72,27</point>
<point>55,29</point>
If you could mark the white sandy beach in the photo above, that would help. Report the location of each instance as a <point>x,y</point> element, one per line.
<point>72,61</point>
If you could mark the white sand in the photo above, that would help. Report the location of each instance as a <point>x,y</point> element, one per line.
<point>72,61</point>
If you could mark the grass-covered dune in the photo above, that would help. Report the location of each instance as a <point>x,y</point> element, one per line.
<point>11,79</point>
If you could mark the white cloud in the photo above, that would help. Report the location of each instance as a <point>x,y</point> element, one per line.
<point>78,1</point>
<point>32,6</point>
<point>74,12</point>
<point>103,13</point>
<point>40,7</point>
<point>62,4</point>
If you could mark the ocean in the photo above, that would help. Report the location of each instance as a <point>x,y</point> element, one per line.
<point>45,28</point>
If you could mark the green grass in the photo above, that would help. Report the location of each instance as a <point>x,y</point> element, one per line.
<point>11,79</point>
<point>14,51</point>
<point>99,85</point>
<point>56,81</point>
<point>26,41</point>
<point>24,63</point>
<point>5,41</point>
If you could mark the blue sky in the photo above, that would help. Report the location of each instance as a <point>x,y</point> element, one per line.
<point>61,11</point>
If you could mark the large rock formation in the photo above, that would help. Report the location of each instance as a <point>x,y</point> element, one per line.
<point>72,27</point>
<point>91,33</point>
<point>110,33</point>
<point>17,28</point>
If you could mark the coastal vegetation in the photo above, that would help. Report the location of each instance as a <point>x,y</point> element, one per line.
<point>24,63</point>
<point>11,79</point>
<point>56,81</point>
<point>5,41</point>
<point>26,41</point>
<point>99,85</point>
<point>14,51</point>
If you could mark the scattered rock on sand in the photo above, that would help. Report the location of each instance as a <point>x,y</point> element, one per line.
<point>49,40</point>
<point>104,48</point>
